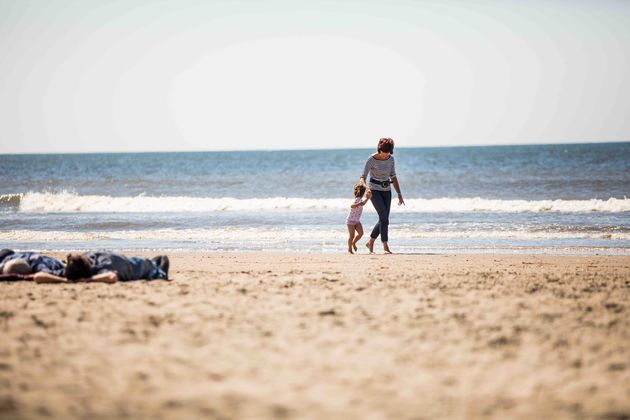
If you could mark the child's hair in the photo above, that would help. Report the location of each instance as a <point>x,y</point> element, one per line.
<point>77,267</point>
<point>359,190</point>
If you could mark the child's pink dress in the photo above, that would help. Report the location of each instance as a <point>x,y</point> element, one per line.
<point>354,216</point>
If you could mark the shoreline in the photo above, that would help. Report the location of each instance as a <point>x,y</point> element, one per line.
<point>523,251</point>
<point>300,335</point>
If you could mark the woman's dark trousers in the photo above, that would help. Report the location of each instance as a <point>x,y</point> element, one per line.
<point>382,201</point>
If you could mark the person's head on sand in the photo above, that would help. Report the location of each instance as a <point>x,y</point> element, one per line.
<point>359,190</point>
<point>16,266</point>
<point>77,267</point>
<point>385,145</point>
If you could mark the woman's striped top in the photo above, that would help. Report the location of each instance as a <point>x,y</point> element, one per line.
<point>381,170</point>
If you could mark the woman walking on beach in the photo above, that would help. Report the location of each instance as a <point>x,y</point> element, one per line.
<point>381,167</point>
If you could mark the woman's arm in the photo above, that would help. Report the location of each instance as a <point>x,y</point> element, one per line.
<point>363,176</point>
<point>397,188</point>
<point>108,277</point>
<point>43,277</point>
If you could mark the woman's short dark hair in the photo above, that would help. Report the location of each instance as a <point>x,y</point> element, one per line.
<point>78,267</point>
<point>385,145</point>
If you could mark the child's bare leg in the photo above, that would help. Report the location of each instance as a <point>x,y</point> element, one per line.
<point>359,228</point>
<point>350,237</point>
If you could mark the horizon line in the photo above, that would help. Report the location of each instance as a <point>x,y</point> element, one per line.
<point>315,149</point>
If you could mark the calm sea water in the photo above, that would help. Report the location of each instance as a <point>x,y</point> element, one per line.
<point>552,199</point>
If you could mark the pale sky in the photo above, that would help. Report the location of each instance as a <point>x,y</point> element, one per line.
<point>89,76</point>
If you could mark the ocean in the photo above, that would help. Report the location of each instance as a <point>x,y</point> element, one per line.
<point>504,199</point>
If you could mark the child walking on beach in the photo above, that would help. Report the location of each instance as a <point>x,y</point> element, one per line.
<point>353,221</point>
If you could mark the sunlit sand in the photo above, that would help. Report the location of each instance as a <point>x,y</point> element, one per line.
<point>260,335</point>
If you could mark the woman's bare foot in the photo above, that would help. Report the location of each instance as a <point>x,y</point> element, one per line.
<point>354,245</point>
<point>386,248</point>
<point>350,251</point>
<point>370,245</point>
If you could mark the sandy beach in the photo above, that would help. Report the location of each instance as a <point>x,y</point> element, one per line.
<point>314,336</point>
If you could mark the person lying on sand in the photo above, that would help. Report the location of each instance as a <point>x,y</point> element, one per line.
<point>108,267</point>
<point>23,265</point>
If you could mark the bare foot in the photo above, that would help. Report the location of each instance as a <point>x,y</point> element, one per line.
<point>354,245</point>
<point>350,250</point>
<point>386,249</point>
<point>370,246</point>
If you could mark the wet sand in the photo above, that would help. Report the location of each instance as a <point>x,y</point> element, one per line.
<point>314,336</point>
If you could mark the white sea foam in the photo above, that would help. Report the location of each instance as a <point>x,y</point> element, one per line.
<point>288,235</point>
<point>32,202</point>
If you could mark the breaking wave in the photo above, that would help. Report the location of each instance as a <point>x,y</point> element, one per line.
<point>287,235</point>
<point>67,202</point>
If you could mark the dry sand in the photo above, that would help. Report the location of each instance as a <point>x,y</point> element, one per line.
<point>260,335</point>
